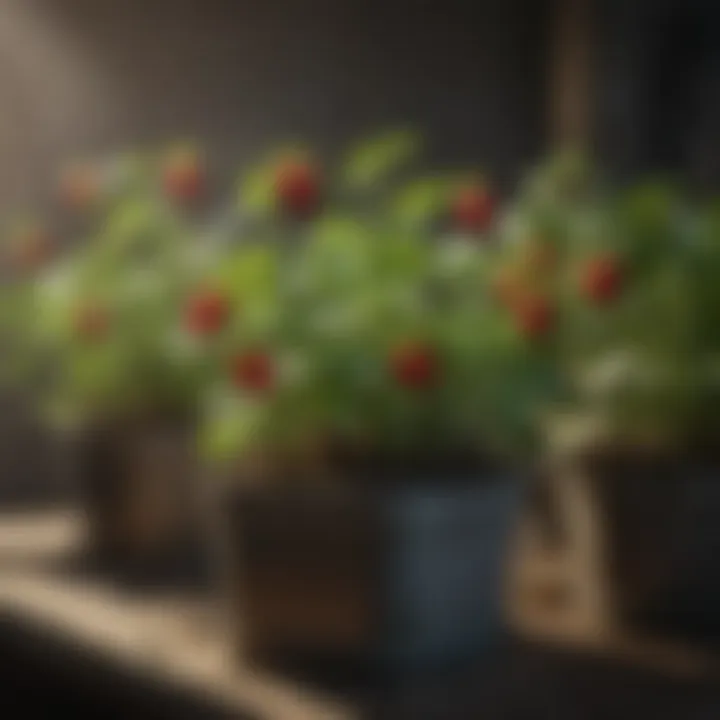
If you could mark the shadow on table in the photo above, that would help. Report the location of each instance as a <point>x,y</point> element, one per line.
<point>44,678</point>
<point>522,681</point>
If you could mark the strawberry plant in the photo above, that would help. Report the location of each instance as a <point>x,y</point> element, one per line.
<point>27,247</point>
<point>366,318</point>
<point>114,320</point>
<point>633,288</point>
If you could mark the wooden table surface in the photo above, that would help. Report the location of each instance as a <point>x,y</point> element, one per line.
<point>176,640</point>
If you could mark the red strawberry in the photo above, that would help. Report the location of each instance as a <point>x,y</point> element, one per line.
<point>602,278</point>
<point>535,316</point>
<point>253,370</point>
<point>184,177</point>
<point>297,187</point>
<point>92,322</point>
<point>415,365</point>
<point>473,208</point>
<point>207,312</point>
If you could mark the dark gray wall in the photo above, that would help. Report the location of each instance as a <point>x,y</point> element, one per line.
<point>89,75</point>
<point>659,87</point>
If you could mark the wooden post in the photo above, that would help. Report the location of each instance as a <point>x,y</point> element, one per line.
<point>571,70</point>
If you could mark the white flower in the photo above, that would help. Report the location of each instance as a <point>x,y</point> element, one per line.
<point>57,285</point>
<point>611,372</point>
<point>455,255</point>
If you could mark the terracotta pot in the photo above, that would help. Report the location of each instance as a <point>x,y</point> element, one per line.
<point>390,578</point>
<point>140,488</point>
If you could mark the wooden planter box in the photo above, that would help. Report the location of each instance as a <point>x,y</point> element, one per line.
<point>140,491</point>
<point>660,521</point>
<point>387,580</point>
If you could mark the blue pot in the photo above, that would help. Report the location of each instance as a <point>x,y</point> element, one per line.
<point>444,568</point>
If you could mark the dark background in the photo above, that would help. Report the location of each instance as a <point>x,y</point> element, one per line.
<point>239,75</point>
<point>82,76</point>
<point>658,88</point>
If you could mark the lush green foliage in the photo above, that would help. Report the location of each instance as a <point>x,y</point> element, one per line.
<point>335,300</point>
<point>641,353</point>
<point>98,329</point>
<point>373,304</point>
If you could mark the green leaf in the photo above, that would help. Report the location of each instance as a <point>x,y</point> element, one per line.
<point>231,428</point>
<point>340,246</point>
<point>648,215</point>
<point>374,160</point>
<point>250,273</point>
<point>422,201</point>
<point>256,193</point>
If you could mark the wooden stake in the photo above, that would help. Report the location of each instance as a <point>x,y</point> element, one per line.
<point>571,70</point>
